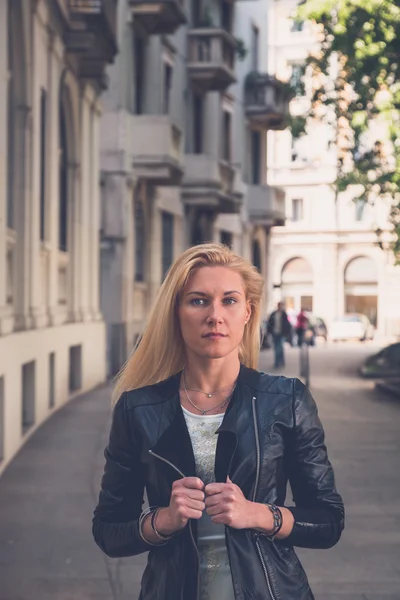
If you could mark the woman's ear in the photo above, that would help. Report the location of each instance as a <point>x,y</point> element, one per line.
<point>248,312</point>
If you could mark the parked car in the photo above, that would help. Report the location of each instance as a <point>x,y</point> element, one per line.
<point>316,328</point>
<point>352,326</point>
<point>383,364</point>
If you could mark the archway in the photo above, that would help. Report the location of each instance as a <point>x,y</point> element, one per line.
<point>361,287</point>
<point>297,284</point>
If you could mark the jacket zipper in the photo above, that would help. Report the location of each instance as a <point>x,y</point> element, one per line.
<point>190,521</point>
<point>258,456</point>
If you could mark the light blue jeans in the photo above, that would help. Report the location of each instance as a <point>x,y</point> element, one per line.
<point>279,351</point>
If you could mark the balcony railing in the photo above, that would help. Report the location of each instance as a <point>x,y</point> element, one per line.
<point>267,100</point>
<point>157,149</point>
<point>106,9</point>
<point>211,58</point>
<point>159,16</point>
<point>266,205</point>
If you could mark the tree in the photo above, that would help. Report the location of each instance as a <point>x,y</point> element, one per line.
<point>355,88</point>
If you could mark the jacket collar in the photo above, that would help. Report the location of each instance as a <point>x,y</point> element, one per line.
<point>174,444</point>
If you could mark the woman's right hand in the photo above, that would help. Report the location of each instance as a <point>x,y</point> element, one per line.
<point>187,502</point>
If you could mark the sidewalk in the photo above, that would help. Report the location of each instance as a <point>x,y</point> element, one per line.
<point>48,493</point>
<point>47,496</point>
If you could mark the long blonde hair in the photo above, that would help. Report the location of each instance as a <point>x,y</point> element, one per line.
<point>160,352</point>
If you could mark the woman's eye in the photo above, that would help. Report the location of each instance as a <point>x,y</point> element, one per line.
<point>230,300</point>
<point>197,301</point>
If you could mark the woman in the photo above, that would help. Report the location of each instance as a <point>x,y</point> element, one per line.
<point>214,443</point>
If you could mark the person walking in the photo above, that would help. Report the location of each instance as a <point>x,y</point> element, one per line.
<point>301,327</point>
<point>213,442</point>
<point>279,327</point>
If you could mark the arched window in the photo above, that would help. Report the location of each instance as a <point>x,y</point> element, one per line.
<point>16,101</point>
<point>63,178</point>
<point>361,287</point>
<point>297,284</point>
<point>140,241</point>
<point>257,255</point>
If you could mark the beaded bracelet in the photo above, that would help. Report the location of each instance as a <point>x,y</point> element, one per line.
<point>278,521</point>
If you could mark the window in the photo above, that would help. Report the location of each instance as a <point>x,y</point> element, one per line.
<point>226,135</point>
<point>257,255</point>
<point>359,210</point>
<point>254,47</point>
<point>11,120</point>
<point>139,57</point>
<point>28,396</point>
<point>297,209</point>
<point>63,181</point>
<point>256,153</point>
<point>198,124</point>
<point>167,241</point>
<point>226,15</point>
<point>43,113</point>
<point>296,77</point>
<point>140,242</point>
<point>226,238</point>
<point>168,72</point>
<point>75,368</point>
<point>297,25</point>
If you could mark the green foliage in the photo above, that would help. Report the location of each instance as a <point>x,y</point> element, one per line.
<point>241,50</point>
<point>356,83</point>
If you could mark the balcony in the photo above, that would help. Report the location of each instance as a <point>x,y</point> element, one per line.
<point>211,59</point>
<point>157,149</point>
<point>92,35</point>
<point>209,183</point>
<point>266,101</point>
<point>266,205</point>
<point>158,16</point>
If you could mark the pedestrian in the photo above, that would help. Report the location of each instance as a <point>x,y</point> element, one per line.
<point>301,327</point>
<point>216,527</point>
<point>280,329</point>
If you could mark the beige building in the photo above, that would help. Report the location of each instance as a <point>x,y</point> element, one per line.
<point>183,148</point>
<point>52,334</point>
<point>326,257</point>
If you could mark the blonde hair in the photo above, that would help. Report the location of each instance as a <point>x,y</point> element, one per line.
<point>160,352</point>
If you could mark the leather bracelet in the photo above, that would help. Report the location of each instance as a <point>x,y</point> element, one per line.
<point>278,521</point>
<point>150,510</point>
<point>161,536</point>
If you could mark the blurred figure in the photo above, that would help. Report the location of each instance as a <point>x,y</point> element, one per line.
<point>301,327</point>
<point>280,328</point>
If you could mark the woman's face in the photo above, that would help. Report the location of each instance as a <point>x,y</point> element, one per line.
<point>213,311</point>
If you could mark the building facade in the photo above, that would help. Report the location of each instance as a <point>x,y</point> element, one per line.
<point>183,147</point>
<point>326,258</point>
<point>52,334</point>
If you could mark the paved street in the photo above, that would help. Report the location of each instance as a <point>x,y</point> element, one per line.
<point>48,493</point>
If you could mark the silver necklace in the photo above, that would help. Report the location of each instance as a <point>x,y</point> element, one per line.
<point>201,410</point>
<point>208,394</point>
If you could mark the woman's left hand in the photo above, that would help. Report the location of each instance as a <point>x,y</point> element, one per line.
<point>225,503</point>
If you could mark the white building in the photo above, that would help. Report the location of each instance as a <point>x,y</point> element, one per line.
<point>183,148</point>
<point>326,257</point>
<point>52,335</point>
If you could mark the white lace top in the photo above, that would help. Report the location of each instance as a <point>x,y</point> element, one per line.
<point>215,575</point>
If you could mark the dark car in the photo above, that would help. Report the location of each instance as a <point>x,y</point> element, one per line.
<point>316,328</point>
<point>385,363</point>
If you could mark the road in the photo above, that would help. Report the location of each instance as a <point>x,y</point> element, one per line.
<point>48,492</point>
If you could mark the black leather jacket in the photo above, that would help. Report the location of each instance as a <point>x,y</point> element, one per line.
<point>270,434</point>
